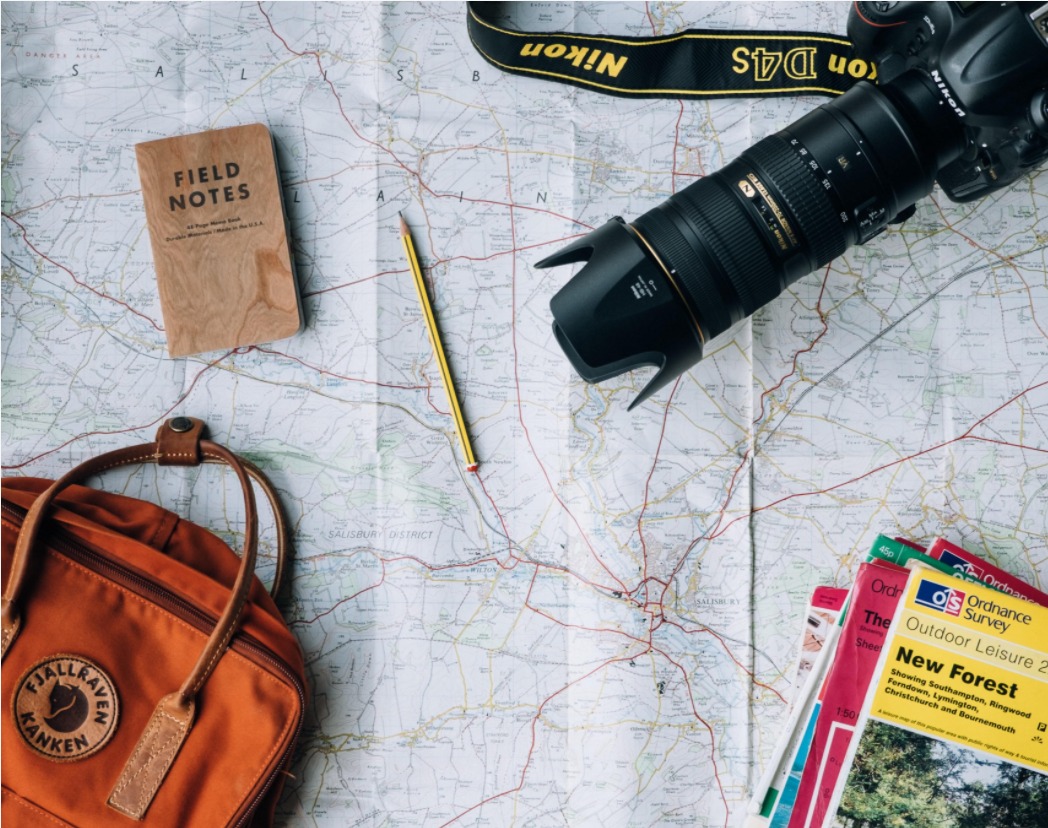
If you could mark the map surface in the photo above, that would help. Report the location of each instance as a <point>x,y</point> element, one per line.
<point>601,626</point>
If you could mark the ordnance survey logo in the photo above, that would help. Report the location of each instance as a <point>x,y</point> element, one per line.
<point>938,597</point>
<point>960,564</point>
<point>65,708</point>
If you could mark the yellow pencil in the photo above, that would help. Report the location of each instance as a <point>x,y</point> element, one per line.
<point>438,349</point>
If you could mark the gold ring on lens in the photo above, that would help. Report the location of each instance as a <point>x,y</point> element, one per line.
<point>672,281</point>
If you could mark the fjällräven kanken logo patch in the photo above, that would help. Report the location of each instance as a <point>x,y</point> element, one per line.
<point>66,708</point>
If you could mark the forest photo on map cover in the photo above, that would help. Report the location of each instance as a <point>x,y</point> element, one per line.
<point>901,778</point>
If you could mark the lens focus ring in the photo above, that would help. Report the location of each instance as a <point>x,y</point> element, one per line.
<point>697,281</point>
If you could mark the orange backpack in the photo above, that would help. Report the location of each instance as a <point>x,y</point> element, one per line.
<point>147,674</point>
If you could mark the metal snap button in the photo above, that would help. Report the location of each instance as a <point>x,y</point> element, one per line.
<point>181,424</point>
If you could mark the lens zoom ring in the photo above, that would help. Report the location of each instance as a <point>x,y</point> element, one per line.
<point>809,204</point>
<point>733,240</point>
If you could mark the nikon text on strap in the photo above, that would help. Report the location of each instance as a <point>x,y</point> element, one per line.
<point>696,63</point>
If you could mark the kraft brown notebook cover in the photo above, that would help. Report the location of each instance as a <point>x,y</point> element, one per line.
<point>219,236</point>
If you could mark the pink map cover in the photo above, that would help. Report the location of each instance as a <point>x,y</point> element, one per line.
<point>878,587</point>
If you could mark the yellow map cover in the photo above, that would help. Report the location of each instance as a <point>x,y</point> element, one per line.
<point>956,718</point>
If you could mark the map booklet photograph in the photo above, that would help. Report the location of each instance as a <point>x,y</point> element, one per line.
<point>954,729</point>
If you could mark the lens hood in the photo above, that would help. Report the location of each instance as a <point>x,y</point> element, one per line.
<point>622,310</point>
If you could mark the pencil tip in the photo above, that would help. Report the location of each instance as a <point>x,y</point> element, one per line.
<point>403,224</point>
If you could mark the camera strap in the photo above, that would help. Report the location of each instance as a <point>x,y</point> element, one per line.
<point>696,63</point>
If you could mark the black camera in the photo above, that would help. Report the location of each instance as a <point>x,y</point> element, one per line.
<point>961,99</point>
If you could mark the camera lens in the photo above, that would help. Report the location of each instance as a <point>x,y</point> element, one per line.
<point>655,291</point>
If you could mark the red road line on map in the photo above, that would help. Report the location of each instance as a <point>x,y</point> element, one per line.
<point>439,262</point>
<point>544,614</point>
<point>647,483</point>
<point>966,435</point>
<point>414,173</point>
<point>727,650</point>
<point>86,434</point>
<point>797,354</point>
<point>709,728</point>
<point>46,258</point>
<point>339,603</point>
<point>698,160</point>
<point>651,21</point>
<point>311,293</point>
<point>511,252</point>
<point>382,580</point>
<point>514,561</point>
<point>429,399</point>
<point>676,146</point>
<point>325,372</point>
<point>1005,259</point>
<point>502,519</point>
<point>1007,443</point>
<point>56,199</point>
<point>598,630</point>
<point>534,736</point>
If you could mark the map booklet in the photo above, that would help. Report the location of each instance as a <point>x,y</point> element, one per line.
<point>784,793</point>
<point>955,722</point>
<point>875,597</point>
<point>776,786</point>
<point>818,639</point>
<point>220,248</point>
<point>824,609</point>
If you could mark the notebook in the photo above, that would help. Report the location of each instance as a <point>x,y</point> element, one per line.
<point>216,221</point>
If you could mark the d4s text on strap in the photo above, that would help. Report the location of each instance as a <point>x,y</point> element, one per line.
<point>695,63</point>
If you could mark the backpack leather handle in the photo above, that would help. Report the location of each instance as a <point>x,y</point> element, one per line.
<point>180,442</point>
